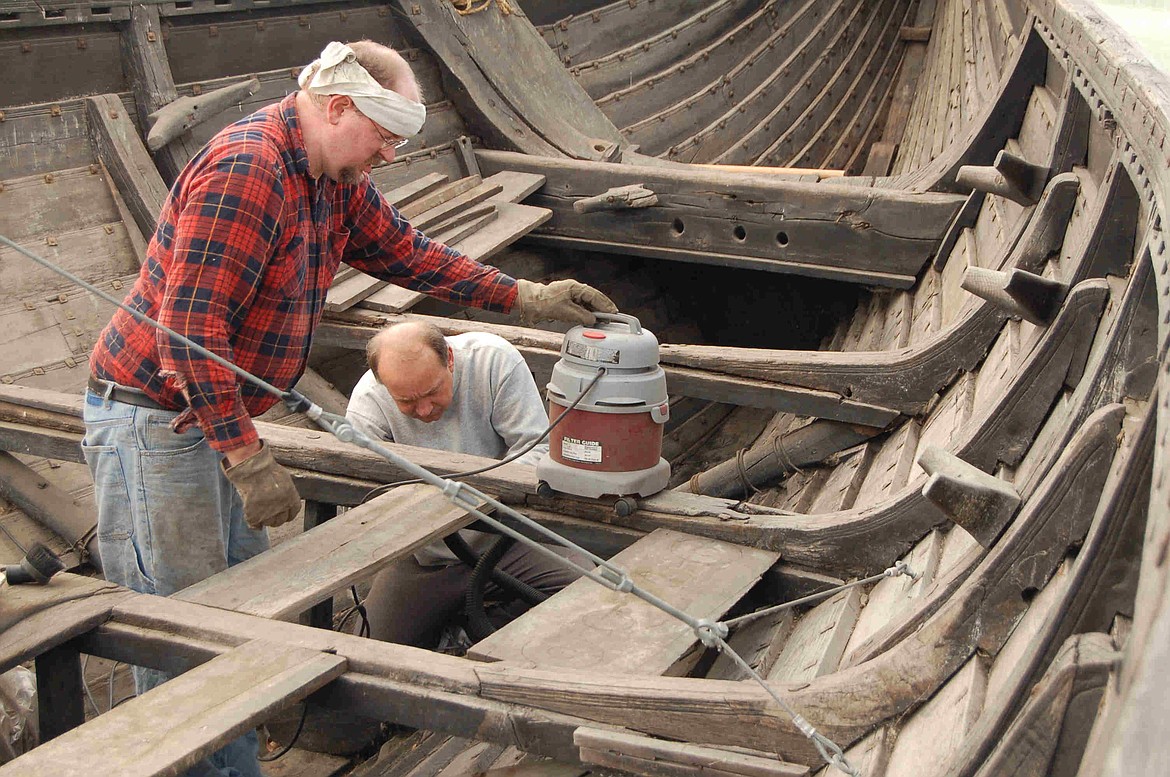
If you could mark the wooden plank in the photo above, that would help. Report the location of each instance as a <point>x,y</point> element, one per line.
<point>316,564</point>
<point>72,519</point>
<point>759,643</point>
<point>514,222</point>
<point>440,213</point>
<point>644,755</point>
<point>931,736</point>
<point>189,717</point>
<point>410,192</point>
<point>344,294</point>
<point>818,641</point>
<point>459,232</point>
<point>440,196</point>
<point>458,219</point>
<point>891,596</point>
<point>486,46</point>
<point>514,185</point>
<point>579,627</point>
<point>38,618</point>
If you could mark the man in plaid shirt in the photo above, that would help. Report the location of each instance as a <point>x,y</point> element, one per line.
<point>247,245</point>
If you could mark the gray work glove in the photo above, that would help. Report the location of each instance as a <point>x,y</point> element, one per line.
<point>566,300</point>
<point>266,488</point>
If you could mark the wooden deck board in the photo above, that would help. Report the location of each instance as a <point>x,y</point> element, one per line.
<point>589,628</point>
<point>312,566</point>
<point>174,725</point>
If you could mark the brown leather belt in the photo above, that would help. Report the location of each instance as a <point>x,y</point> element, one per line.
<point>125,394</point>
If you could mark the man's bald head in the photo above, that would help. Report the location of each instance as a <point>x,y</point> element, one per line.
<point>415,364</point>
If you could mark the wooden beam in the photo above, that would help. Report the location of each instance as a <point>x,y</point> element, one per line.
<point>704,378</point>
<point>60,691</point>
<point>189,717</point>
<point>743,219</point>
<point>71,519</point>
<point>116,143</point>
<point>144,58</point>
<point>313,566</point>
<point>654,757</point>
<point>34,619</point>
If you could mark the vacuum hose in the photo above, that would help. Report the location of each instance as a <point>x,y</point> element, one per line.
<point>515,587</point>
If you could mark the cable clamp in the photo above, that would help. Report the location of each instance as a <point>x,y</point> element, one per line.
<point>710,633</point>
<point>617,578</point>
<point>903,568</point>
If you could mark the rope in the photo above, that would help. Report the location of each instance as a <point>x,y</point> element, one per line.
<point>781,454</point>
<point>748,486</point>
<point>468,7</point>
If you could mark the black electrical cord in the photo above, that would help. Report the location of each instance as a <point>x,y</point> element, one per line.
<point>377,490</point>
<point>296,735</point>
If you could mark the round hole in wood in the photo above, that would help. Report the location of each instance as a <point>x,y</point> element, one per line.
<point>678,226</point>
<point>782,238</point>
<point>739,232</point>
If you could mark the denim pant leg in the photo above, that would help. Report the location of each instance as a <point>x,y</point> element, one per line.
<point>167,518</point>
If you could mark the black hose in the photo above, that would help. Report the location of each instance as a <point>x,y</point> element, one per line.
<point>512,585</point>
<point>478,625</point>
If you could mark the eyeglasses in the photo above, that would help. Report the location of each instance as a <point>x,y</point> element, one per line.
<point>388,142</point>
<point>392,142</point>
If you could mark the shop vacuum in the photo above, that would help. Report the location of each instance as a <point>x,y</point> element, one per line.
<point>610,443</point>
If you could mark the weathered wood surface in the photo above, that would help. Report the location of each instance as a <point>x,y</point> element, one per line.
<point>998,120</point>
<point>858,541</point>
<point>479,50</point>
<point>1073,485</point>
<point>817,643</point>
<point>74,520</point>
<point>117,145</point>
<point>587,628</point>
<point>704,378</point>
<point>36,618</point>
<point>184,113</point>
<point>1049,734</point>
<point>768,224</point>
<point>318,563</point>
<point>653,757</point>
<point>174,725</point>
<point>928,740</point>
<point>145,58</point>
<point>60,692</point>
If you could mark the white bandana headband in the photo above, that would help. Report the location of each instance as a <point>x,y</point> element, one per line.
<point>338,72</point>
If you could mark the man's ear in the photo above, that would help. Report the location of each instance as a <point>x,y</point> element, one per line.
<point>450,359</point>
<point>335,106</point>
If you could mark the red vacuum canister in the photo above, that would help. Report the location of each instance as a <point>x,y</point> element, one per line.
<point>610,443</point>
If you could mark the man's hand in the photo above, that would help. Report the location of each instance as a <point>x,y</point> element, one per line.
<point>566,300</point>
<point>266,488</point>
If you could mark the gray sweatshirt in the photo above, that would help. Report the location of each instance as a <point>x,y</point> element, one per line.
<point>495,411</point>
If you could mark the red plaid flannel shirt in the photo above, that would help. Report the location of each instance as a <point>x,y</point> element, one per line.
<point>243,256</point>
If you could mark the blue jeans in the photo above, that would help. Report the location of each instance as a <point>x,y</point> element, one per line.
<point>167,518</point>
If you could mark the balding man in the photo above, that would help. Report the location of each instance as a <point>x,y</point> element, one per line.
<point>470,393</point>
<point>248,241</point>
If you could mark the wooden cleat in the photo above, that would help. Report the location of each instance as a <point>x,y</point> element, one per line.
<point>1010,176</point>
<point>980,503</point>
<point>1018,292</point>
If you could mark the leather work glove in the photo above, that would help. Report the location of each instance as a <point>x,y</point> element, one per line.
<point>266,488</point>
<point>566,300</point>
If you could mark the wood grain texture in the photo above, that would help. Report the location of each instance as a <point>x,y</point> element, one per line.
<point>586,627</point>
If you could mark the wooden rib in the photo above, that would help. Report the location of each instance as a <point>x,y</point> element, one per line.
<point>755,77</point>
<point>630,104</point>
<point>655,56</point>
<point>780,84</point>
